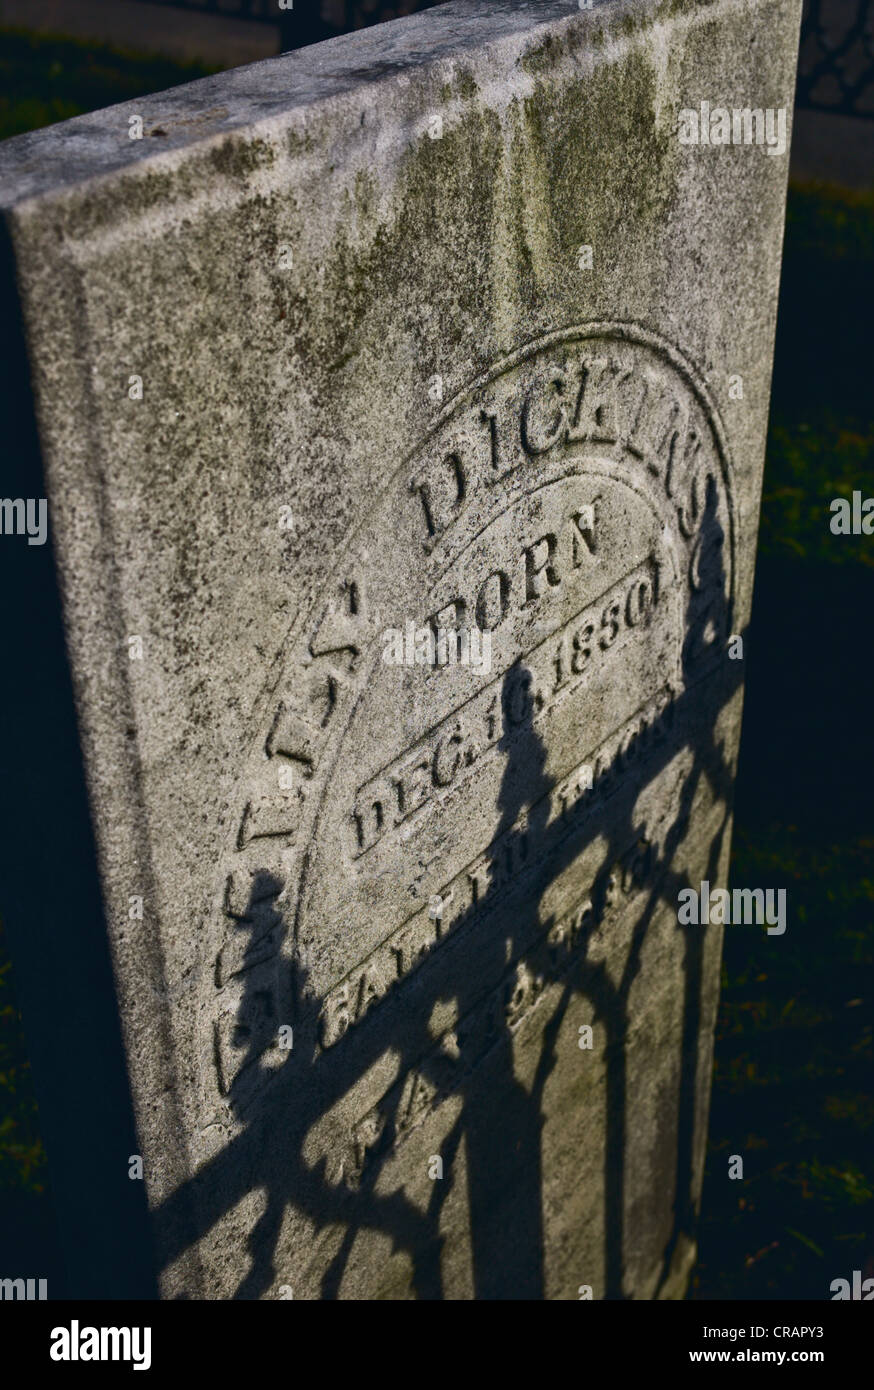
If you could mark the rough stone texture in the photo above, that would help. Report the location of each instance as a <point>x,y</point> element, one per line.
<point>403,865</point>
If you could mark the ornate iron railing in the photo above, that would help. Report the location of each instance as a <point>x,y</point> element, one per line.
<point>836,61</point>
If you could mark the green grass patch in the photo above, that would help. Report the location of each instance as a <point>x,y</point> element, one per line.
<point>44,80</point>
<point>22,1157</point>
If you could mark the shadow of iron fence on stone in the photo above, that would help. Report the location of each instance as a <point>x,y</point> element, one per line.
<point>503,1150</point>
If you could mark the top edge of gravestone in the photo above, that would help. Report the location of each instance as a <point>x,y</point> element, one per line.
<point>56,158</point>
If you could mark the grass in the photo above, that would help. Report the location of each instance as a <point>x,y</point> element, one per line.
<point>794,1055</point>
<point>43,80</point>
<point>821,438</point>
<point>22,1157</point>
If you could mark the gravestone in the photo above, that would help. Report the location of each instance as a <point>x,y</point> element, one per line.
<point>400,404</point>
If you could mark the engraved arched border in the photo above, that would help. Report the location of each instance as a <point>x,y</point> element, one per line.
<point>601,471</point>
<point>596,467</point>
<point>606,328</point>
<point>631,333</point>
<point>626,332</point>
<point>602,328</point>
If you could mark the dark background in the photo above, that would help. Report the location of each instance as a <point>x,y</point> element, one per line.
<point>793,1064</point>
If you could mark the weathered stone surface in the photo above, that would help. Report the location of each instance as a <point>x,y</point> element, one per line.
<point>383,381</point>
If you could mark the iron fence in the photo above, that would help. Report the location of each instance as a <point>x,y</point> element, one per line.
<point>836,61</point>
<point>309,20</point>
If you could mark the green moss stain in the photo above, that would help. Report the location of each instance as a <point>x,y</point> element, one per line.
<point>569,136</point>
<point>465,85</point>
<point>237,158</point>
<point>543,56</point>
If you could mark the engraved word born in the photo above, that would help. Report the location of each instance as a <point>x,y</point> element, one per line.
<point>576,504</point>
